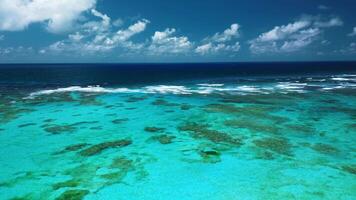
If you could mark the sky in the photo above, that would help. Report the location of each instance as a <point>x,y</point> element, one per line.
<point>121,31</point>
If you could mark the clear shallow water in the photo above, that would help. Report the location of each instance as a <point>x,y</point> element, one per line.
<point>276,137</point>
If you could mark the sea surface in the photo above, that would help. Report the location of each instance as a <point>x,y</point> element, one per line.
<point>233,131</point>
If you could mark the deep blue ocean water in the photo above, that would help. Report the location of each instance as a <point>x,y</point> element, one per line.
<point>178,131</point>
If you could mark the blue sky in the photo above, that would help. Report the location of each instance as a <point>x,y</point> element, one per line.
<point>176,31</point>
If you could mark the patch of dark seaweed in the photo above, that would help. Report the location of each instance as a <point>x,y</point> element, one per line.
<point>349,168</point>
<point>185,107</point>
<point>163,139</point>
<point>66,184</point>
<point>90,99</point>
<point>59,129</point>
<point>153,129</point>
<point>73,195</point>
<point>277,145</point>
<point>324,148</point>
<point>253,125</point>
<point>98,148</point>
<point>26,125</point>
<point>202,131</point>
<point>262,112</point>
<point>135,99</point>
<point>120,121</point>
<point>161,102</point>
<point>96,128</point>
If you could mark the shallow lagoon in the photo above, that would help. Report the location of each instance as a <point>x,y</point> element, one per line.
<point>279,139</point>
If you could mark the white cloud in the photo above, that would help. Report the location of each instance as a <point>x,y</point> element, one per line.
<point>330,23</point>
<point>2,37</point>
<point>58,15</point>
<point>227,35</point>
<point>165,43</point>
<point>98,36</point>
<point>303,39</point>
<point>216,48</point>
<point>293,36</point>
<point>353,33</point>
<point>221,42</point>
<point>281,32</point>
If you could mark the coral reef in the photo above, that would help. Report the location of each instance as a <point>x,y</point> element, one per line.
<point>73,195</point>
<point>153,129</point>
<point>98,148</point>
<point>163,139</point>
<point>277,145</point>
<point>202,131</point>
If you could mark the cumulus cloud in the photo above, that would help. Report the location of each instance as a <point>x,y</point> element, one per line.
<point>227,35</point>
<point>164,42</point>
<point>58,15</point>
<point>293,36</point>
<point>221,42</point>
<point>99,36</point>
<point>353,33</point>
<point>216,48</point>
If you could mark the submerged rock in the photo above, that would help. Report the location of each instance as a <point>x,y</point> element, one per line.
<point>98,148</point>
<point>210,155</point>
<point>73,195</point>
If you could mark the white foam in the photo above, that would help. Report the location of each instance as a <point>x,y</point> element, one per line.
<point>168,89</point>
<point>341,79</point>
<point>89,89</point>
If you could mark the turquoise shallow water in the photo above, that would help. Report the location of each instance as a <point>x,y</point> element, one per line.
<point>280,139</point>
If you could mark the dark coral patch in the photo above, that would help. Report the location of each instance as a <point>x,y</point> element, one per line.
<point>163,139</point>
<point>120,121</point>
<point>98,148</point>
<point>277,145</point>
<point>349,168</point>
<point>324,148</point>
<point>153,129</point>
<point>202,131</point>
<point>26,125</point>
<point>58,129</point>
<point>66,184</point>
<point>73,195</point>
<point>185,107</point>
<point>135,99</point>
<point>161,102</point>
<point>252,125</point>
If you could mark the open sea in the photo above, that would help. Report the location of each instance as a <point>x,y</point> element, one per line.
<point>233,131</point>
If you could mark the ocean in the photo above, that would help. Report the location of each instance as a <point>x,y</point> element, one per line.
<point>216,131</point>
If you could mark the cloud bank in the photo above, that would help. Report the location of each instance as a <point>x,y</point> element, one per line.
<point>58,15</point>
